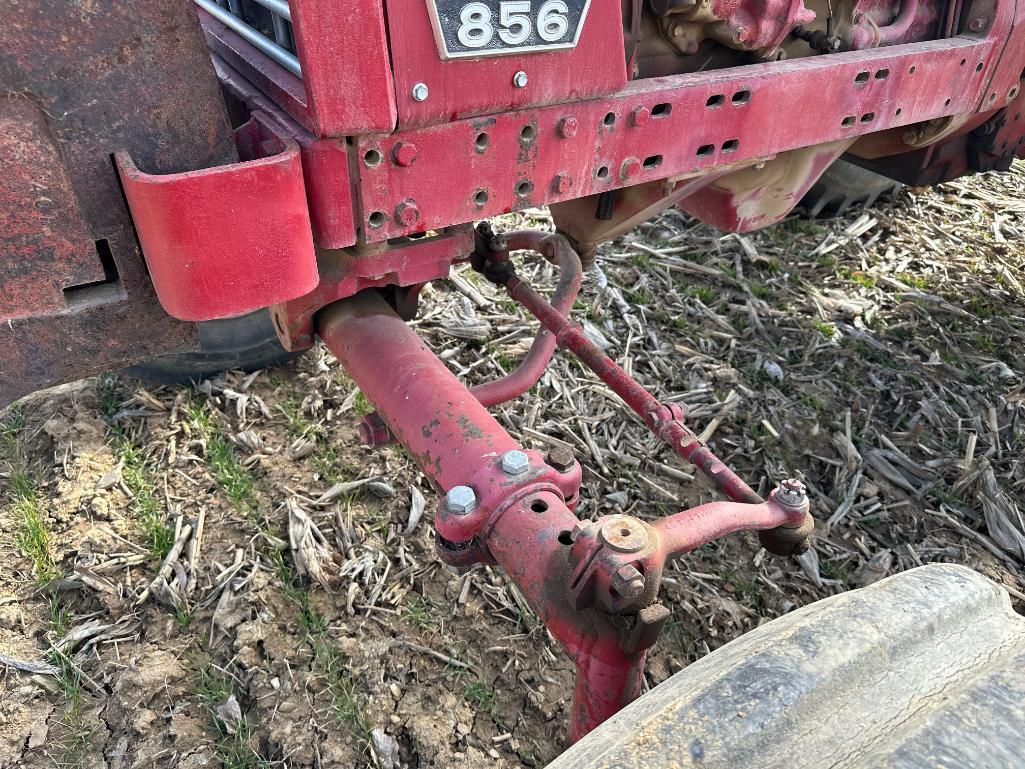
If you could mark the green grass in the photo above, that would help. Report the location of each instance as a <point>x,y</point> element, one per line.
<point>482,695</point>
<point>298,426</point>
<point>234,745</point>
<point>420,613</point>
<point>31,537</point>
<point>138,475</point>
<point>227,469</point>
<point>827,330</point>
<point>349,702</point>
<point>72,741</point>
<point>362,405</point>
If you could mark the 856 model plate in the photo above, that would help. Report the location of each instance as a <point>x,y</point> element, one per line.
<point>503,27</point>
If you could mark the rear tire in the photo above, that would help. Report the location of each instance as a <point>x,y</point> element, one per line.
<point>247,342</point>
<point>844,186</point>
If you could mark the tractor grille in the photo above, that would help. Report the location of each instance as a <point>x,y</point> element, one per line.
<point>266,24</point>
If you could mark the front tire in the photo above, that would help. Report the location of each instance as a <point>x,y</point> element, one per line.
<point>247,342</point>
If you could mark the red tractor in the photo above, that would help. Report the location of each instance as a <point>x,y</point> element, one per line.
<point>217,183</point>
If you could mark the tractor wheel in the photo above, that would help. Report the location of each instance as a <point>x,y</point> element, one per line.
<point>247,342</point>
<point>845,185</point>
<point>924,669</point>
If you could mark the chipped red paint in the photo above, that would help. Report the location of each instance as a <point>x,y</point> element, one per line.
<point>270,245</point>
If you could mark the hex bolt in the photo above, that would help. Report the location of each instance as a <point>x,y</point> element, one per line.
<point>977,24</point>
<point>560,459</point>
<point>562,183</point>
<point>567,127</point>
<point>404,154</point>
<point>461,500</point>
<point>515,462</point>
<point>520,79</point>
<point>630,168</point>
<point>420,92</point>
<point>407,214</point>
<point>628,581</point>
<point>640,117</point>
<point>792,493</point>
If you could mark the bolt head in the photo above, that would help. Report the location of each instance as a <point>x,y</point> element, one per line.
<point>628,581</point>
<point>977,24</point>
<point>562,183</point>
<point>420,92</point>
<point>630,169</point>
<point>520,79</point>
<point>407,214</point>
<point>640,117</point>
<point>567,127</point>
<point>404,154</point>
<point>792,492</point>
<point>515,462</point>
<point>560,459</point>
<point>461,500</point>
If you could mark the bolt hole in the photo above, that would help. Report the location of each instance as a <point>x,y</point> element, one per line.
<point>482,142</point>
<point>897,113</point>
<point>539,506</point>
<point>717,100</point>
<point>524,188</point>
<point>963,62</point>
<point>1012,93</point>
<point>610,119</point>
<point>882,74</point>
<point>528,133</point>
<point>705,150</point>
<point>731,146</point>
<point>862,77</point>
<point>565,537</point>
<point>946,103</point>
<point>653,161</point>
<point>868,117</point>
<point>372,158</point>
<point>481,197</point>
<point>377,219</point>
<point>603,172</point>
<point>848,121</point>
<point>741,97</point>
<point>912,69</point>
<point>992,96</point>
<point>624,532</point>
<point>978,67</point>
<point>661,110</point>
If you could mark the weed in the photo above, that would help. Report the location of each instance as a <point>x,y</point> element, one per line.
<point>482,696</point>
<point>705,294</point>
<point>73,740</point>
<point>138,476</point>
<point>420,613</point>
<point>234,747</point>
<point>362,405</point>
<point>33,537</point>
<point>225,466</point>
<point>827,330</point>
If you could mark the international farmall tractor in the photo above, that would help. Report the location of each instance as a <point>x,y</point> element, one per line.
<point>224,181</point>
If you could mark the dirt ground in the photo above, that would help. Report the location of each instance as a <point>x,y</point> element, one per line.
<point>302,619</point>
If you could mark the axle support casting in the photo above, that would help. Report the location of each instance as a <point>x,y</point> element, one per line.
<point>593,583</point>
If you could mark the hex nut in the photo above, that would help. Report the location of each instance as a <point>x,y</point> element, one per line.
<point>461,500</point>
<point>404,154</point>
<point>420,92</point>
<point>628,581</point>
<point>515,462</point>
<point>792,493</point>
<point>560,458</point>
<point>407,214</point>
<point>567,127</point>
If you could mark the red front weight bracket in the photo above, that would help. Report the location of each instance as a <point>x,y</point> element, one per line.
<point>593,584</point>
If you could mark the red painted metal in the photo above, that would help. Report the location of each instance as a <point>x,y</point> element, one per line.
<point>461,88</point>
<point>263,249</point>
<point>538,356</point>
<point>328,182</point>
<point>344,273</point>
<point>571,572</point>
<point>707,121</point>
<point>346,87</point>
